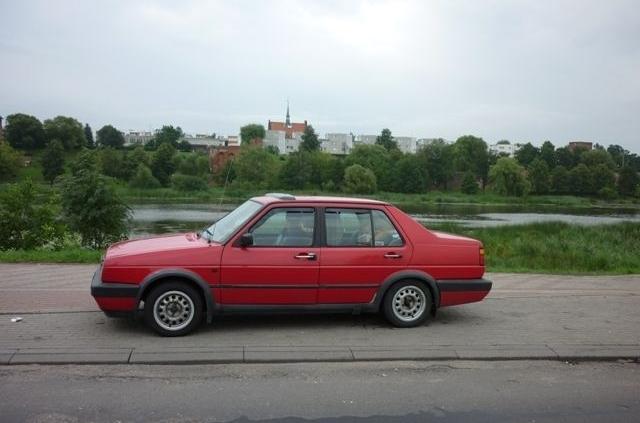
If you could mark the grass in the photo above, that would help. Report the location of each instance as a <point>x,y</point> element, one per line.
<point>557,248</point>
<point>67,255</point>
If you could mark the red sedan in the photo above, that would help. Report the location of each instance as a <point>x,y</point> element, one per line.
<point>280,252</point>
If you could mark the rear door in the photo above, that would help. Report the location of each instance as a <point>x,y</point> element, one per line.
<point>282,265</point>
<point>361,248</point>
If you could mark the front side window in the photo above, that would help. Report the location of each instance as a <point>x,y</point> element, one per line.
<point>225,227</point>
<point>290,227</point>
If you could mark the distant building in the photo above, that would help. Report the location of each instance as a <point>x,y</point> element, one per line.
<point>285,136</point>
<point>406,144</point>
<point>580,145</point>
<point>338,144</point>
<point>504,148</point>
<point>219,156</point>
<point>133,138</point>
<point>365,139</point>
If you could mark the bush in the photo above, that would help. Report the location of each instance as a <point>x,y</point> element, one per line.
<point>469,184</point>
<point>91,206</point>
<point>10,162</point>
<point>359,180</point>
<point>26,221</point>
<point>188,182</point>
<point>607,193</point>
<point>144,179</point>
<point>53,161</point>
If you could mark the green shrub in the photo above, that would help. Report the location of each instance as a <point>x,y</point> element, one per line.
<point>188,182</point>
<point>359,180</point>
<point>144,179</point>
<point>26,220</point>
<point>10,162</point>
<point>469,183</point>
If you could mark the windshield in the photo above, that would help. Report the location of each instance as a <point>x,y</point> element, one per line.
<point>225,227</point>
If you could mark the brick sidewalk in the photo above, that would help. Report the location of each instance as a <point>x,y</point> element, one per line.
<point>525,316</point>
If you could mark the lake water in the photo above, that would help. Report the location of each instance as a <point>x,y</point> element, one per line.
<point>170,218</point>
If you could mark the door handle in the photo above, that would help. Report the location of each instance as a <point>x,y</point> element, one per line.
<point>306,256</point>
<point>392,255</point>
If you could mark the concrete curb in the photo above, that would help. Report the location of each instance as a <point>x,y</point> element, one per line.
<point>293,354</point>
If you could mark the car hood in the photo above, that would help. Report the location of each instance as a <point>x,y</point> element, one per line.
<point>172,250</point>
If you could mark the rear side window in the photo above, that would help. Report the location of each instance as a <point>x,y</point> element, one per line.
<point>360,228</point>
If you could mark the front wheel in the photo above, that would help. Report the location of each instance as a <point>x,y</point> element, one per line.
<point>408,304</point>
<point>173,309</point>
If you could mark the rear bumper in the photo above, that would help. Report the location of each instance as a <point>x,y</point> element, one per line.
<point>455,292</point>
<point>115,299</point>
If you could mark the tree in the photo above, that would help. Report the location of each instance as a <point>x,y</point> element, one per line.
<point>24,132</point>
<point>66,129</point>
<point>184,146</point>
<point>251,132</point>
<point>509,178</point>
<point>618,154</point>
<point>88,135</point>
<point>527,154</point>
<point>603,177</point>
<point>539,176</point>
<point>296,171</point>
<point>560,180</point>
<point>437,158</point>
<point>376,158</point>
<point>10,162</point>
<point>469,183</point>
<point>325,168</point>
<point>593,158</point>
<point>91,206</point>
<point>112,163</point>
<point>257,166</point>
<point>409,175</point>
<point>310,140</point>
<point>628,181</point>
<point>566,158</point>
<point>471,153</point>
<point>167,135</point>
<point>359,180</point>
<point>28,220</point>
<point>386,140</point>
<point>108,136</point>
<point>580,180</point>
<point>144,179</point>
<point>548,154</point>
<point>53,161</point>
<point>162,164</point>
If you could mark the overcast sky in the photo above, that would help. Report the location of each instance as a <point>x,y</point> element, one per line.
<point>517,70</point>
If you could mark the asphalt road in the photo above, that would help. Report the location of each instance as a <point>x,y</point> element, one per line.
<point>391,392</point>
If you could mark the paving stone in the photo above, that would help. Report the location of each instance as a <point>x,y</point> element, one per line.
<point>596,352</point>
<point>501,352</point>
<point>187,355</point>
<point>71,356</point>
<point>405,353</point>
<point>292,354</point>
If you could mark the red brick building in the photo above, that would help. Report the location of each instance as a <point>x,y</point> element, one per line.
<point>287,126</point>
<point>580,144</point>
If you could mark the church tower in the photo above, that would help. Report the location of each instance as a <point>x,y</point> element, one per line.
<point>288,119</point>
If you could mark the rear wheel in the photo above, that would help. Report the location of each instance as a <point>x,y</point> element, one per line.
<point>408,304</point>
<point>173,309</point>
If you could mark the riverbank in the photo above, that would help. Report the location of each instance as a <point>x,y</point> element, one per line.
<point>234,195</point>
<point>555,248</point>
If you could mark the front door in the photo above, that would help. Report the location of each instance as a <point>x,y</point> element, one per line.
<point>362,248</point>
<point>282,265</point>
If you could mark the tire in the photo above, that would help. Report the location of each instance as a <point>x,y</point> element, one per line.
<point>173,309</point>
<point>408,304</point>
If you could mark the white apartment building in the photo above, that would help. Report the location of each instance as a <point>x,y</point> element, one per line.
<point>505,149</point>
<point>138,137</point>
<point>339,144</point>
<point>275,139</point>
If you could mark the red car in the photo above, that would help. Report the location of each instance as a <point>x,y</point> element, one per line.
<point>280,252</point>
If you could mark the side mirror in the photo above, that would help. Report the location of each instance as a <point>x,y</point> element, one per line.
<point>246,240</point>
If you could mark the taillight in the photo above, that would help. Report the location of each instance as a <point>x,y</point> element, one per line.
<point>481,256</point>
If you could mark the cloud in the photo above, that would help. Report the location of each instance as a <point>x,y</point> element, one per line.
<point>523,70</point>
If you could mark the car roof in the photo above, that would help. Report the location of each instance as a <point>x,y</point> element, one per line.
<point>288,198</point>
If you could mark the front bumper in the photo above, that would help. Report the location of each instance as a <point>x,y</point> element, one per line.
<point>115,299</point>
<point>455,292</point>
